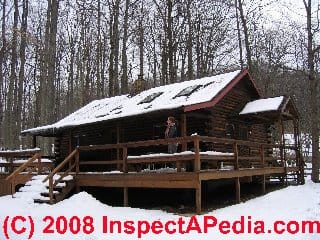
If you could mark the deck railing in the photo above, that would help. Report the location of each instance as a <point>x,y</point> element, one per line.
<point>68,166</point>
<point>25,169</point>
<point>255,153</point>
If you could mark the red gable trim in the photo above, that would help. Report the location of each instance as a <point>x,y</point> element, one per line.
<point>222,93</point>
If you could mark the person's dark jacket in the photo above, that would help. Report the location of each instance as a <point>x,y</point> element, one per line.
<point>172,133</point>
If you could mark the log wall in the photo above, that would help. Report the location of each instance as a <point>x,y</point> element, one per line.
<point>206,122</point>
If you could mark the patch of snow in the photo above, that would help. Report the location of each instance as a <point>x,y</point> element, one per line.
<point>268,208</point>
<point>20,151</point>
<point>262,105</point>
<point>124,106</point>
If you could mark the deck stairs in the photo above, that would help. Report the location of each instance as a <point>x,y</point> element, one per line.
<point>38,191</point>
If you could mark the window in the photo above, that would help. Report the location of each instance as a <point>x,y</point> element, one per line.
<point>188,91</point>
<point>151,97</point>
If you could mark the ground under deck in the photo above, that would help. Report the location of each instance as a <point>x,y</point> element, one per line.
<point>184,180</point>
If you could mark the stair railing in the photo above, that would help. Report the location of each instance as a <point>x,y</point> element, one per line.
<point>70,163</point>
<point>29,167</point>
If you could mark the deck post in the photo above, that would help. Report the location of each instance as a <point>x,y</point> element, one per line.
<point>262,155</point>
<point>183,134</point>
<point>237,182</point>
<point>125,197</point>
<point>198,198</point>
<point>118,141</point>
<point>183,131</point>
<point>236,156</point>
<point>263,184</point>
<point>77,162</point>
<point>197,164</point>
<point>124,159</point>
<point>39,163</point>
<point>51,190</point>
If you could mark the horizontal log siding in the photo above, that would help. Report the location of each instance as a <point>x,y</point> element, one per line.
<point>210,122</point>
<point>225,112</point>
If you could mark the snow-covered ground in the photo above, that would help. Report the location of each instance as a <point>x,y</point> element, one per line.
<point>84,217</point>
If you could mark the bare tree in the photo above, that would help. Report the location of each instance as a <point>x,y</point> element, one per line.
<point>23,45</point>
<point>2,57</point>
<point>124,77</point>
<point>245,33</point>
<point>9,113</point>
<point>314,93</point>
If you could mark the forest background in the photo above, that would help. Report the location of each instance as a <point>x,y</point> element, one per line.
<point>58,55</point>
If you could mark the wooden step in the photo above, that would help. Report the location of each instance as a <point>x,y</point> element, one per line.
<point>43,201</point>
<point>60,192</point>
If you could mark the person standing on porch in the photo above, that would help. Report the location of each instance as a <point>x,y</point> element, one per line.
<point>171,132</point>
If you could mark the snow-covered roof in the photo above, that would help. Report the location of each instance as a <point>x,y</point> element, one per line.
<point>262,105</point>
<point>171,96</point>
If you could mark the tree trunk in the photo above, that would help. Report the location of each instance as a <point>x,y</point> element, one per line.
<point>141,44</point>
<point>239,35</point>
<point>23,32</point>
<point>2,57</point>
<point>170,42</point>
<point>313,85</point>
<point>48,66</point>
<point>116,46</point>
<point>246,35</point>
<point>99,54</point>
<point>10,118</point>
<point>114,51</point>
<point>111,58</point>
<point>124,59</point>
<point>189,43</point>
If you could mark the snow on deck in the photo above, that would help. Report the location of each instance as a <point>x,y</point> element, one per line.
<point>125,105</point>
<point>20,151</point>
<point>210,153</point>
<point>262,105</point>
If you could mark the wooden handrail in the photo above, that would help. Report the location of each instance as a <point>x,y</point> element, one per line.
<point>196,140</point>
<point>137,144</point>
<point>182,140</point>
<point>71,166</point>
<point>61,165</point>
<point>23,166</point>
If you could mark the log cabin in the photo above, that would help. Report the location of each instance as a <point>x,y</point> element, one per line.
<point>226,130</point>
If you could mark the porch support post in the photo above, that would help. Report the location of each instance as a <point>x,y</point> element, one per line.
<point>183,134</point>
<point>198,198</point>
<point>197,163</point>
<point>263,184</point>
<point>184,130</point>
<point>118,150</point>
<point>237,182</point>
<point>125,197</point>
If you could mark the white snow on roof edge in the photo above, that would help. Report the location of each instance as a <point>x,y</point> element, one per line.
<point>262,105</point>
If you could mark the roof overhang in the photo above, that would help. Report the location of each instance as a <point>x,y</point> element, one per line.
<point>285,111</point>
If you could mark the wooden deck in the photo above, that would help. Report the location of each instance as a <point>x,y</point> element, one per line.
<point>188,169</point>
<point>191,167</point>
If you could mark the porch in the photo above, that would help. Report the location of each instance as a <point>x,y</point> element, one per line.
<point>117,167</point>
